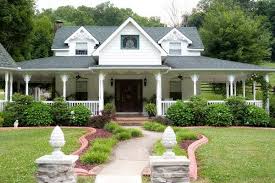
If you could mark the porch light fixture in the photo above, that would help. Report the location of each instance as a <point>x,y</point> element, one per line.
<point>112,82</point>
<point>180,77</point>
<point>145,82</point>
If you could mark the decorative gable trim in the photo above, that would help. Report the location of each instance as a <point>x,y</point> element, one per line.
<point>81,33</point>
<point>173,34</point>
<point>120,28</point>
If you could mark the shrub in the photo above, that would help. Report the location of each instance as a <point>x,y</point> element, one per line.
<point>1,121</point>
<point>125,135</point>
<point>185,135</point>
<point>81,115</point>
<point>272,106</point>
<point>99,121</point>
<point>94,157</point>
<point>119,130</point>
<point>255,116</point>
<point>109,108</point>
<point>38,114</point>
<point>150,108</point>
<point>181,114</point>
<point>237,106</point>
<point>60,112</point>
<point>15,110</point>
<point>163,120</point>
<point>154,126</point>
<point>219,115</point>
<point>199,107</point>
<point>111,127</point>
<point>135,132</point>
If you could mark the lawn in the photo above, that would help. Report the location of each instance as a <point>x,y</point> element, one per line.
<point>20,148</point>
<point>237,155</point>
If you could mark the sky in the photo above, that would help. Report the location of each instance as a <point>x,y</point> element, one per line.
<point>142,7</point>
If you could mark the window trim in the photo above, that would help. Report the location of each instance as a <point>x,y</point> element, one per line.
<point>82,49</point>
<point>175,42</point>
<point>121,42</point>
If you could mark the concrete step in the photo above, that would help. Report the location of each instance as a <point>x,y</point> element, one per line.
<point>131,121</point>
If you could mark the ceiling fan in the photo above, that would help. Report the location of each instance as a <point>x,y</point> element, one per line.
<point>79,77</point>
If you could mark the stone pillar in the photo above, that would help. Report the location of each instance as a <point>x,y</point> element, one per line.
<point>169,168</point>
<point>267,105</point>
<point>11,86</point>
<point>27,79</point>
<point>64,79</point>
<point>158,94</point>
<point>101,78</point>
<point>6,86</point>
<point>57,167</point>
<point>195,79</point>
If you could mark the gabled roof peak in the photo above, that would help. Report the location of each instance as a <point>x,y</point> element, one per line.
<point>175,33</point>
<point>83,33</point>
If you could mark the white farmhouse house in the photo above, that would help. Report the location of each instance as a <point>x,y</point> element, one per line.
<point>127,64</point>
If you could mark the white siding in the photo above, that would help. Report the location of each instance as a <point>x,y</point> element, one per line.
<point>147,54</point>
<point>184,49</point>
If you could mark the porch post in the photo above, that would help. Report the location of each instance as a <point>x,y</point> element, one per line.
<point>235,88</point>
<point>64,80</point>
<point>243,82</point>
<point>267,99</point>
<point>6,86</point>
<point>195,78</point>
<point>227,89</point>
<point>11,86</point>
<point>158,93</point>
<point>254,90</point>
<point>27,79</point>
<point>231,79</point>
<point>101,78</point>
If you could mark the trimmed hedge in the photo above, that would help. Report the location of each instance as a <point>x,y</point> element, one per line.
<point>79,115</point>
<point>38,114</point>
<point>219,115</point>
<point>238,107</point>
<point>60,112</point>
<point>255,116</point>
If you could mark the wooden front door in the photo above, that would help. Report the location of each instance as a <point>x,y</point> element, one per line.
<point>128,95</point>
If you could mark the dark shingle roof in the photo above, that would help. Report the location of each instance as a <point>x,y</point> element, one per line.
<point>5,58</point>
<point>58,62</point>
<point>101,33</point>
<point>201,62</point>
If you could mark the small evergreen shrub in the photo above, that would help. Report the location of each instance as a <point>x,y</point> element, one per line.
<point>154,126</point>
<point>109,108</point>
<point>163,120</point>
<point>38,114</point>
<point>99,121</point>
<point>256,116</point>
<point>150,108</point>
<point>135,132</point>
<point>238,107</point>
<point>80,116</point>
<point>219,115</point>
<point>111,127</point>
<point>94,157</point>
<point>1,121</point>
<point>181,114</point>
<point>61,112</point>
<point>125,135</point>
<point>199,108</point>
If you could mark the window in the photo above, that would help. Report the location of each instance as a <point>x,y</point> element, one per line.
<point>81,90</point>
<point>130,42</point>
<point>175,90</point>
<point>81,49</point>
<point>175,48</point>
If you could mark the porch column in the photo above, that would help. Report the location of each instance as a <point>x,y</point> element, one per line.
<point>267,99</point>
<point>235,88</point>
<point>64,79</point>
<point>254,90</point>
<point>158,93</point>
<point>243,83</point>
<point>101,78</point>
<point>27,79</point>
<point>227,90</point>
<point>195,78</point>
<point>11,86</point>
<point>231,79</point>
<point>6,86</point>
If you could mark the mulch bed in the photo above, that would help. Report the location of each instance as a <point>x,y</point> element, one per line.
<point>100,133</point>
<point>186,143</point>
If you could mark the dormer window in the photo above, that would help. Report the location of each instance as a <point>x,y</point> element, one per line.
<point>81,48</point>
<point>130,42</point>
<point>175,48</point>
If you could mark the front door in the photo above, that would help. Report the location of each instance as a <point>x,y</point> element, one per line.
<point>128,95</point>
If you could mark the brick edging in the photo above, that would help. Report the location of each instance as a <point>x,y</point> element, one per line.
<point>193,167</point>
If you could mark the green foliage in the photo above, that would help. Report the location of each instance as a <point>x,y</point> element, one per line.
<point>255,116</point>
<point>94,157</point>
<point>81,115</point>
<point>110,108</point>
<point>135,132</point>
<point>163,120</point>
<point>159,149</point>
<point>181,114</point>
<point>199,107</point>
<point>150,108</point>
<point>1,121</point>
<point>238,107</point>
<point>111,127</point>
<point>219,115</point>
<point>185,135</point>
<point>99,121</point>
<point>229,33</point>
<point>60,112</point>
<point>272,106</point>
<point>38,114</point>
<point>124,135</point>
<point>154,126</point>
<point>15,110</point>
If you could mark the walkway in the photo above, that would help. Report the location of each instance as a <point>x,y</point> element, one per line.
<point>130,158</point>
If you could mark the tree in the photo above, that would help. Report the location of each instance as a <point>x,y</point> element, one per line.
<point>229,33</point>
<point>16,27</point>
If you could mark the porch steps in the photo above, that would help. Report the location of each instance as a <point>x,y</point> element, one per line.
<point>131,120</point>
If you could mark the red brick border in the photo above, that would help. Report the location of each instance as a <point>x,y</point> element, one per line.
<point>193,168</point>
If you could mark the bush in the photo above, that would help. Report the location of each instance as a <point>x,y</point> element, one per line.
<point>150,108</point>
<point>135,132</point>
<point>111,127</point>
<point>81,115</point>
<point>94,157</point>
<point>238,107</point>
<point>255,116</point>
<point>1,121</point>
<point>154,126</point>
<point>185,135</point>
<point>38,114</point>
<point>163,120</point>
<point>99,121</point>
<point>181,114</point>
<point>110,109</point>
<point>219,115</point>
<point>125,135</point>
<point>60,112</point>
<point>199,107</point>
<point>272,106</point>
<point>15,110</point>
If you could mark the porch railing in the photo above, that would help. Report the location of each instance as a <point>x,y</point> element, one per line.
<point>166,104</point>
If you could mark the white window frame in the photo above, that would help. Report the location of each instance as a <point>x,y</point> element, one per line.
<point>175,49</point>
<point>81,50</point>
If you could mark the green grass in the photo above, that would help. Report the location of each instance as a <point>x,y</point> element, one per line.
<point>20,148</point>
<point>154,126</point>
<point>237,155</point>
<point>159,149</point>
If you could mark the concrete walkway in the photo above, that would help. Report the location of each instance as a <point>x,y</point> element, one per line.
<point>130,158</point>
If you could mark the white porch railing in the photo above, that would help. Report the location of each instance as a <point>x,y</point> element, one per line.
<point>166,104</point>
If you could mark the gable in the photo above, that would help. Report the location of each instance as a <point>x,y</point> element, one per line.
<point>175,35</point>
<point>81,34</point>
